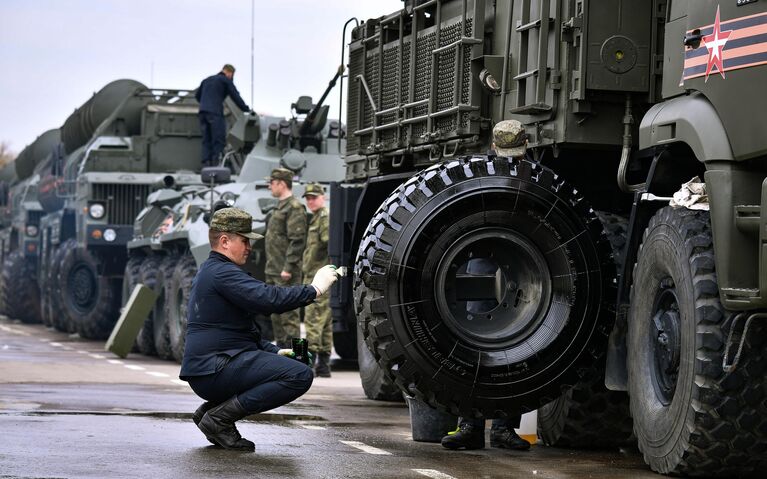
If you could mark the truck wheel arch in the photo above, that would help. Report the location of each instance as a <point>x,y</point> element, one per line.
<point>689,119</point>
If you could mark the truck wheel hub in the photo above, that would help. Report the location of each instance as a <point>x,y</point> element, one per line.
<point>665,341</point>
<point>492,287</point>
<point>83,286</point>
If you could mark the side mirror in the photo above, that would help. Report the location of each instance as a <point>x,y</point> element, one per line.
<point>216,175</point>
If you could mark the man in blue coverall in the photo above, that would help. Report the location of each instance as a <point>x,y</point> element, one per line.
<point>226,362</point>
<point>211,95</point>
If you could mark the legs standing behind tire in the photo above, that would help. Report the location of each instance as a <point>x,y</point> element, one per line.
<point>319,333</point>
<point>471,434</point>
<point>286,325</point>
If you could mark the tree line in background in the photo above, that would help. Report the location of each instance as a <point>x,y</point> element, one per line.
<point>6,154</point>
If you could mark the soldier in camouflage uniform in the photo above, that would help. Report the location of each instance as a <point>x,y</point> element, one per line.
<point>317,318</point>
<point>285,242</point>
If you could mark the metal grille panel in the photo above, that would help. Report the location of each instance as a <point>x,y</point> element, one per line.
<point>122,202</point>
<point>33,217</point>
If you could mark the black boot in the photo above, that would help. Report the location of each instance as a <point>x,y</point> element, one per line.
<point>322,369</point>
<point>218,425</point>
<point>507,439</point>
<point>200,412</point>
<point>469,435</point>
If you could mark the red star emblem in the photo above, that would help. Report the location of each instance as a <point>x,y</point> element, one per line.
<point>715,44</point>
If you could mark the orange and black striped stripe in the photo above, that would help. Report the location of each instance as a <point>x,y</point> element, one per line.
<point>746,47</point>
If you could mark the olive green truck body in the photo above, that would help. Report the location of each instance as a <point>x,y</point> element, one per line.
<point>623,102</point>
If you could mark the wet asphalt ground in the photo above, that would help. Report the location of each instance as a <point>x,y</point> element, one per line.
<point>70,410</point>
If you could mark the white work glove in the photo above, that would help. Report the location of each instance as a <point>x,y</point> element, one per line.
<point>325,277</point>
<point>286,352</point>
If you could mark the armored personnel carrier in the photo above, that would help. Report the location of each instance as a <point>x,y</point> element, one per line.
<point>171,234</point>
<point>487,285</point>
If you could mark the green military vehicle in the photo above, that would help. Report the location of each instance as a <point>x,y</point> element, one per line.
<point>171,234</point>
<point>486,285</point>
<point>115,149</point>
<point>19,229</point>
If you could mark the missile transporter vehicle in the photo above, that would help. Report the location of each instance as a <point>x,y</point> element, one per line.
<point>563,281</point>
<point>114,150</point>
<point>19,229</point>
<point>170,237</point>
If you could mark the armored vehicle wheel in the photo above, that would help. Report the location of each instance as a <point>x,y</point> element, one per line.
<point>147,275</point>
<point>589,415</point>
<point>91,301</point>
<point>59,318</point>
<point>177,298</point>
<point>159,319</point>
<point>46,313</point>
<point>484,284</point>
<point>19,290</point>
<point>690,417</point>
<point>376,384</point>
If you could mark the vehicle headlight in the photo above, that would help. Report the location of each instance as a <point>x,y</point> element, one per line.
<point>110,235</point>
<point>96,210</point>
<point>229,197</point>
<point>32,230</point>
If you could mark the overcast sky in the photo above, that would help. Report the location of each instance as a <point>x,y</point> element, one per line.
<point>54,54</point>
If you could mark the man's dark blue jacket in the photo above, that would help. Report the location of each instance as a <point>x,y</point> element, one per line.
<point>222,307</point>
<point>214,90</point>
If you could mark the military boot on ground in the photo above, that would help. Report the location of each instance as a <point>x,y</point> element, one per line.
<point>200,412</point>
<point>469,435</point>
<point>322,369</point>
<point>218,425</point>
<point>507,438</point>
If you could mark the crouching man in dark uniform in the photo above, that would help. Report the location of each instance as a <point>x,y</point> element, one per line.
<point>225,360</point>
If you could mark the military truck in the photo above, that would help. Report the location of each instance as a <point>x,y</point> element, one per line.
<point>19,229</point>
<point>115,149</point>
<point>171,233</point>
<point>623,103</point>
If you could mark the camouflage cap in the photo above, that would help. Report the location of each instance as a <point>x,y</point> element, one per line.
<point>314,189</point>
<point>228,67</point>
<point>283,174</point>
<point>510,138</point>
<point>234,220</point>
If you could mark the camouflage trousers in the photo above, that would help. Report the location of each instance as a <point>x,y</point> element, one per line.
<point>285,325</point>
<point>319,325</point>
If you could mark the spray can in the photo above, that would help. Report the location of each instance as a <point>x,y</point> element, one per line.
<point>301,350</point>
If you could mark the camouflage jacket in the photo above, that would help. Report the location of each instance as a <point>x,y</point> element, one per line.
<point>286,238</point>
<point>316,252</point>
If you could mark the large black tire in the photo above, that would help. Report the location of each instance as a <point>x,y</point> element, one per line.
<point>159,319</point>
<point>540,325</point>
<point>176,301</point>
<point>589,415</point>
<point>147,275</point>
<point>690,417</point>
<point>375,383</point>
<point>91,301</point>
<point>18,288</point>
<point>46,311</point>
<point>58,317</point>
